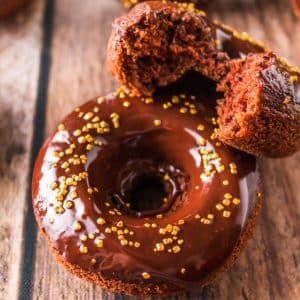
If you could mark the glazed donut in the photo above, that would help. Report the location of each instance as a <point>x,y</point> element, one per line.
<point>9,7</point>
<point>138,195</point>
<point>157,43</point>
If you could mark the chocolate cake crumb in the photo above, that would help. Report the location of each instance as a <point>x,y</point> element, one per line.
<point>259,113</point>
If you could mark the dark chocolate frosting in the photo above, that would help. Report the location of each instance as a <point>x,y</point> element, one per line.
<point>87,172</point>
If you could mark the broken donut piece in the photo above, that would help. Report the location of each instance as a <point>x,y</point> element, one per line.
<point>260,113</point>
<point>157,43</point>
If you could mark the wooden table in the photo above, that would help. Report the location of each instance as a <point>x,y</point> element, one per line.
<point>52,58</point>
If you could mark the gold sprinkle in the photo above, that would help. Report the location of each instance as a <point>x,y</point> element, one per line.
<point>84,237</point>
<point>159,216</point>
<point>175,99</point>
<point>166,177</point>
<point>180,222</point>
<point>176,249</point>
<point>74,195</point>
<point>225,182</point>
<point>93,261</point>
<point>137,244</point>
<point>126,104</point>
<point>200,127</point>
<point>227,196</point>
<point>219,206</point>
<point>183,110</point>
<point>69,204</point>
<point>236,201</point>
<point>91,236</point>
<point>100,100</point>
<point>99,243</point>
<point>77,226</point>
<point>182,271</point>
<point>120,224</point>
<point>146,275</point>
<point>147,225</point>
<point>84,249</point>
<point>101,221</point>
<point>226,202</point>
<point>61,127</point>
<point>193,111</point>
<point>90,190</point>
<point>157,122</point>
<point>124,242</point>
<point>77,132</point>
<point>88,116</point>
<point>226,213</point>
<point>159,247</point>
<point>54,185</point>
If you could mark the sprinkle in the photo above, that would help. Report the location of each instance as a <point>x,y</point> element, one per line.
<point>197,217</point>
<point>120,224</point>
<point>159,216</point>
<point>69,204</point>
<point>93,261</point>
<point>182,271</point>
<point>84,237</point>
<point>88,116</point>
<point>166,177</point>
<point>219,206</point>
<point>157,122</point>
<point>226,202</point>
<point>200,127</point>
<point>90,190</point>
<point>74,195</point>
<point>99,243</point>
<point>54,185</point>
<point>159,247</point>
<point>124,242</point>
<point>183,110</point>
<point>137,244</point>
<point>236,201</point>
<point>100,100</point>
<point>176,249</point>
<point>227,196</point>
<point>175,99</point>
<point>101,221</point>
<point>77,132</point>
<point>84,249</point>
<point>146,275</point>
<point>61,127</point>
<point>225,182</point>
<point>126,104</point>
<point>226,214</point>
<point>77,226</point>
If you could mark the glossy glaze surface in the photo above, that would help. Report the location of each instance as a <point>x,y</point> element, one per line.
<point>211,190</point>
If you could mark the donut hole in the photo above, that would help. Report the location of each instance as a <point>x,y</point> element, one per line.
<point>148,195</point>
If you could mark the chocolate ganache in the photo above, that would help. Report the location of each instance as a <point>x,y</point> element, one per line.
<point>91,176</point>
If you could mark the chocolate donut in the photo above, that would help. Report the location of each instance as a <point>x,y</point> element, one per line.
<point>157,43</point>
<point>138,195</point>
<point>9,7</point>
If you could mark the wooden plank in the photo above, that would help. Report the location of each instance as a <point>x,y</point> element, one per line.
<point>78,73</point>
<point>269,268</point>
<point>20,47</point>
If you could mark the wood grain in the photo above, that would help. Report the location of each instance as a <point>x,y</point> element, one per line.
<point>20,46</point>
<point>268,269</point>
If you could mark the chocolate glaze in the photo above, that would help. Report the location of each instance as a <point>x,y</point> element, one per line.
<point>136,148</point>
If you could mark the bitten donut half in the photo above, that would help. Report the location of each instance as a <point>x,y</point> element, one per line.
<point>138,195</point>
<point>157,43</point>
